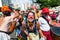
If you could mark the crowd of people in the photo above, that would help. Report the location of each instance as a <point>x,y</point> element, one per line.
<point>29,25</point>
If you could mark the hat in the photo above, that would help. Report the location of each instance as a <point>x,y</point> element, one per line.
<point>6,8</point>
<point>45,10</point>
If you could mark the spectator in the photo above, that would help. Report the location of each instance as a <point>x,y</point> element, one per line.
<point>44,24</point>
<point>7,23</point>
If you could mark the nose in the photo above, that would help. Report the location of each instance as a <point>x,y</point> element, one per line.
<point>31,17</point>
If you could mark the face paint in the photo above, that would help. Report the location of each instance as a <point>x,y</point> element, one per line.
<point>30,17</point>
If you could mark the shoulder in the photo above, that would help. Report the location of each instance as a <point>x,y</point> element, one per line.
<point>40,19</point>
<point>8,18</point>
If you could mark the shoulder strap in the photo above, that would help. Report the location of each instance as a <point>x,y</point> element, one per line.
<point>45,19</point>
<point>35,23</point>
<point>35,29</point>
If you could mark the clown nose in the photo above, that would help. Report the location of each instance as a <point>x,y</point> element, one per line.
<point>30,17</point>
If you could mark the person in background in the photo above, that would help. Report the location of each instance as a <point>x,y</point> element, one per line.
<point>58,18</point>
<point>44,24</point>
<point>55,27</point>
<point>7,23</point>
<point>53,17</point>
<point>17,10</point>
<point>54,21</point>
<point>14,34</point>
<point>22,12</point>
<point>19,30</point>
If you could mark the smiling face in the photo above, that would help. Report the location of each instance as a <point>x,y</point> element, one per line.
<point>30,17</point>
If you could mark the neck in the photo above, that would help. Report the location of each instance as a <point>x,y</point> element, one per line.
<point>30,22</point>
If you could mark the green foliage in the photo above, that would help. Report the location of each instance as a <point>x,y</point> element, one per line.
<point>48,3</point>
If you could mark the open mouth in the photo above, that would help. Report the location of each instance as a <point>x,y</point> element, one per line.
<point>30,19</point>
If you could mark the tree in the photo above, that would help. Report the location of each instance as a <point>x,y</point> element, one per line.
<point>48,3</point>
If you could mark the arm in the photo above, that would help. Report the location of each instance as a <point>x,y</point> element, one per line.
<point>39,30</point>
<point>12,27</point>
<point>24,28</point>
<point>16,14</point>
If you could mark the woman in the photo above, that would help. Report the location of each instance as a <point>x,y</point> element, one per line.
<point>32,28</point>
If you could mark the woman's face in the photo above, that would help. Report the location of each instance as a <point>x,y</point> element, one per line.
<point>30,17</point>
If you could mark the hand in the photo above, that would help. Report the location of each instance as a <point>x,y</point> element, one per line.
<point>23,23</point>
<point>20,36</point>
<point>44,37</point>
<point>26,32</point>
<point>30,38</point>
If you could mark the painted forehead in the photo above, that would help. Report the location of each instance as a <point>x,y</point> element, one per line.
<point>30,14</point>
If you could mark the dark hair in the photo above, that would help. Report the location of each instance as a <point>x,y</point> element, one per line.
<point>53,18</point>
<point>31,12</point>
<point>17,10</point>
<point>11,8</point>
<point>6,13</point>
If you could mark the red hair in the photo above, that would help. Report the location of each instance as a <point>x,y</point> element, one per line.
<point>5,8</point>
